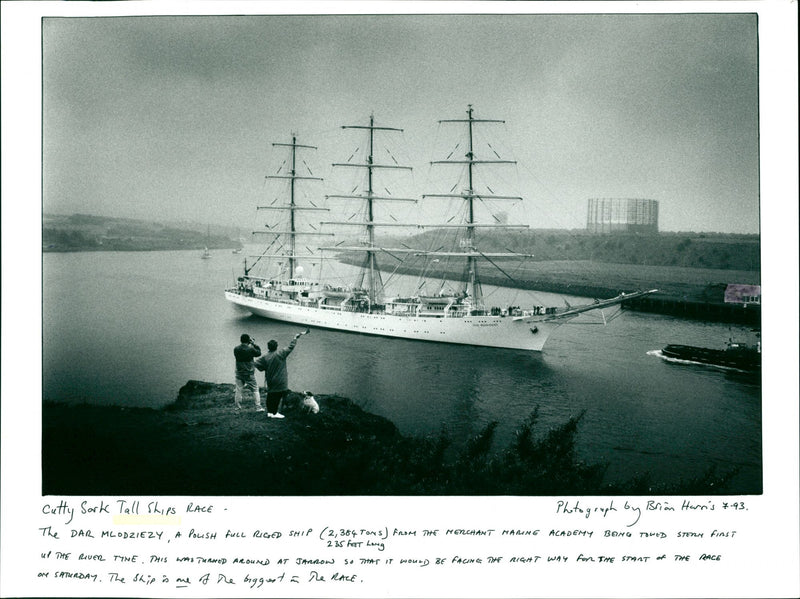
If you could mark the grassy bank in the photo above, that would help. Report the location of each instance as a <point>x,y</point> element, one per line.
<point>602,280</point>
<point>682,291</point>
<point>685,249</point>
<point>87,233</point>
<point>200,446</point>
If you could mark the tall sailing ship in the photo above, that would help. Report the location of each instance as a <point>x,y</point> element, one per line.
<point>458,315</point>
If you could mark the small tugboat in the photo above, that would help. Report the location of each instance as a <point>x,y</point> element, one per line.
<point>735,356</point>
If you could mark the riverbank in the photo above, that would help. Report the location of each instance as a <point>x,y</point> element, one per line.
<point>685,292</point>
<point>87,233</point>
<point>199,445</point>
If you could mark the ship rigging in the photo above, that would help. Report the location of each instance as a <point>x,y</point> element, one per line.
<point>460,316</point>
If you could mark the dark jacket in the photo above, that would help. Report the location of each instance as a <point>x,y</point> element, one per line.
<point>244,354</point>
<point>273,364</point>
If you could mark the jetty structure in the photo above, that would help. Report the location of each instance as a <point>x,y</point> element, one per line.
<point>275,284</point>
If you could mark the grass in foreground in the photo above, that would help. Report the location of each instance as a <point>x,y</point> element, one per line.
<point>200,446</point>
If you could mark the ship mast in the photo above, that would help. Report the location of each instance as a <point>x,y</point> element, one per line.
<point>473,286</point>
<point>370,266</point>
<point>292,232</point>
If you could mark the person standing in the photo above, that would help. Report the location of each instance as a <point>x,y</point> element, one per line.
<point>245,371</point>
<point>273,364</point>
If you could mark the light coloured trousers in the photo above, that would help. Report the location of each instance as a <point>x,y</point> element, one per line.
<point>251,385</point>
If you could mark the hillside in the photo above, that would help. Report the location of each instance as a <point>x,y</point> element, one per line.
<point>83,232</point>
<point>694,250</point>
<point>690,270</point>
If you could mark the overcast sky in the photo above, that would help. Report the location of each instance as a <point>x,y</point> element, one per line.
<point>173,117</point>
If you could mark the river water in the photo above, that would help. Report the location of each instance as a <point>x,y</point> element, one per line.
<point>130,328</point>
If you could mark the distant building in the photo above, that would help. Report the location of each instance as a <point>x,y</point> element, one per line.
<point>742,294</point>
<point>622,215</point>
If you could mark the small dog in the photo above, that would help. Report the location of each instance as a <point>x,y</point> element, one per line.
<point>310,404</point>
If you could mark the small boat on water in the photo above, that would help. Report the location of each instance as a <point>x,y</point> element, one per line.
<point>206,253</point>
<point>735,356</point>
<point>238,249</point>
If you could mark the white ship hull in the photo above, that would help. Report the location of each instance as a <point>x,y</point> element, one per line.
<point>486,330</point>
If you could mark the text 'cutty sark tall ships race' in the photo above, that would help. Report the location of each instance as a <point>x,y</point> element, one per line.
<point>275,283</point>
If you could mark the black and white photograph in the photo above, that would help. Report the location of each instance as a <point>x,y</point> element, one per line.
<point>387,254</point>
<point>454,207</point>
